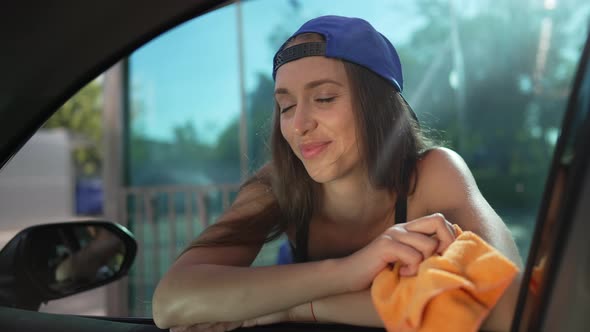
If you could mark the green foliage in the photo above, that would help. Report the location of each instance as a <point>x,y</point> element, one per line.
<point>228,145</point>
<point>260,111</point>
<point>506,101</point>
<point>81,115</point>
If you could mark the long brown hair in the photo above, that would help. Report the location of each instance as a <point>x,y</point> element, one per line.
<point>390,143</point>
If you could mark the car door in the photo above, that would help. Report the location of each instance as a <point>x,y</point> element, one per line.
<point>556,290</point>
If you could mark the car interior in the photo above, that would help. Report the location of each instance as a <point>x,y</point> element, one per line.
<point>556,284</point>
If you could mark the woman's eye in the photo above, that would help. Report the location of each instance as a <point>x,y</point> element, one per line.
<point>325,100</point>
<point>283,110</point>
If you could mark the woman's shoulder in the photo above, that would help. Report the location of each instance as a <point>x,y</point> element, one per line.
<point>439,156</point>
<point>443,176</point>
<point>434,163</point>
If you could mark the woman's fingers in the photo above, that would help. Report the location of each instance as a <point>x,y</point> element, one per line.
<point>182,329</point>
<point>425,244</point>
<point>225,326</point>
<point>202,327</point>
<point>406,244</point>
<point>412,242</point>
<point>230,326</point>
<point>436,225</point>
<point>395,251</point>
<point>208,327</point>
<point>266,319</point>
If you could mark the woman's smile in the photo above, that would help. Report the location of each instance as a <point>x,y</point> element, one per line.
<point>313,149</point>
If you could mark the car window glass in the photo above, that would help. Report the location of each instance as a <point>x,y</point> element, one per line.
<point>503,117</point>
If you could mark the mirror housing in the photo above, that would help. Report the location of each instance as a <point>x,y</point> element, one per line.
<point>53,261</point>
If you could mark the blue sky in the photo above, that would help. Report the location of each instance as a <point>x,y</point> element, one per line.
<point>191,72</point>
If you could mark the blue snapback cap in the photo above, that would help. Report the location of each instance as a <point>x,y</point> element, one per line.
<point>347,38</point>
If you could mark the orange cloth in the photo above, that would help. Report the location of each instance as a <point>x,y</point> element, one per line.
<point>451,292</point>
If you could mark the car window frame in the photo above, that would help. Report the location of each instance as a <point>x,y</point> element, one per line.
<point>567,207</point>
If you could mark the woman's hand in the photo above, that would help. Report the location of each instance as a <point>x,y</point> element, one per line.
<point>208,327</point>
<point>277,317</point>
<point>407,244</point>
<point>301,313</point>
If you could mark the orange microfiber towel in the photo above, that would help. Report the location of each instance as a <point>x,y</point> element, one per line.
<point>451,292</point>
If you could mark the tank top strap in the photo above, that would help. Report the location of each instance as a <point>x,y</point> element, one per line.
<point>401,210</point>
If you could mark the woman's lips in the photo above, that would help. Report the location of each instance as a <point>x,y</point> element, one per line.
<point>311,150</point>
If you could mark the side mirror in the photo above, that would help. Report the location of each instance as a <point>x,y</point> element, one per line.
<point>52,261</point>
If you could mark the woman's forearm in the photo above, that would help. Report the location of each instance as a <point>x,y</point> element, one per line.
<point>350,308</point>
<point>357,309</point>
<point>211,293</point>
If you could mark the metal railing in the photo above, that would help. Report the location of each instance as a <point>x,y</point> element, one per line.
<point>164,220</point>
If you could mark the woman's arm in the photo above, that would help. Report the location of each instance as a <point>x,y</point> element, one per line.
<point>352,308</point>
<point>448,186</point>
<point>209,285</point>
<point>220,289</point>
<point>216,283</point>
<point>406,244</point>
<point>198,293</point>
<point>355,308</point>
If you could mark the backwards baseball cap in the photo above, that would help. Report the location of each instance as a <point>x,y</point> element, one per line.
<point>347,38</point>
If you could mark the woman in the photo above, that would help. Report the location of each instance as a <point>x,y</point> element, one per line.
<point>353,185</point>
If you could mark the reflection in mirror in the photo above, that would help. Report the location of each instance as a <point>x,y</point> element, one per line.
<point>69,258</point>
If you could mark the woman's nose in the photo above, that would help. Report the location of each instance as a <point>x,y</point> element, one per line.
<point>304,121</point>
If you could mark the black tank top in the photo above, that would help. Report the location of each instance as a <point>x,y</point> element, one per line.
<point>301,237</point>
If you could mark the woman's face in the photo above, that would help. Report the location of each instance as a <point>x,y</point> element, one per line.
<point>316,116</point>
